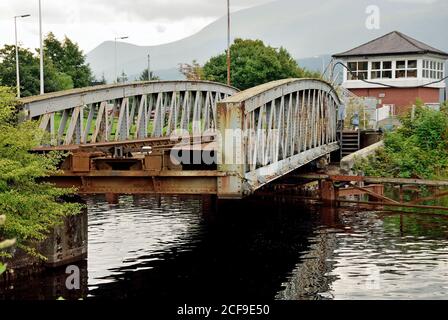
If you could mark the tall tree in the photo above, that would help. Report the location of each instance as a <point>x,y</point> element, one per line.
<point>29,72</point>
<point>65,67</point>
<point>53,50</point>
<point>253,63</point>
<point>68,58</point>
<point>74,64</point>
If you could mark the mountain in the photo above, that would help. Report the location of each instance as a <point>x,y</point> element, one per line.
<point>306,28</point>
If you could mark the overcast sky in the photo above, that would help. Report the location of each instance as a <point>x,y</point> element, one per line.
<point>90,22</point>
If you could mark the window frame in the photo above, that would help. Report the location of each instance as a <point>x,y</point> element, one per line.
<point>433,69</point>
<point>382,70</point>
<point>406,69</point>
<point>357,70</point>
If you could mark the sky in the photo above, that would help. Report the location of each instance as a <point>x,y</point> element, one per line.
<point>90,22</point>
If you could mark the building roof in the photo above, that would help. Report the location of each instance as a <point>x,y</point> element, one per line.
<point>394,43</point>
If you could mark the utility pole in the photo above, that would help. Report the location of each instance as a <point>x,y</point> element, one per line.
<point>149,67</point>
<point>42,85</point>
<point>116,73</point>
<point>17,54</point>
<point>228,43</point>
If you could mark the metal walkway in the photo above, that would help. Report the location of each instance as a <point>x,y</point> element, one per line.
<point>184,137</point>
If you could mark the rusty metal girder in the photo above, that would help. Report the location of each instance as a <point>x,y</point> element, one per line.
<point>138,184</point>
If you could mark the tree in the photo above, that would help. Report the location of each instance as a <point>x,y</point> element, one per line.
<point>65,67</point>
<point>123,78</point>
<point>29,70</point>
<point>193,71</point>
<point>144,76</point>
<point>68,59</point>
<point>96,82</point>
<point>253,63</point>
<point>53,50</point>
<point>74,64</point>
<point>32,208</point>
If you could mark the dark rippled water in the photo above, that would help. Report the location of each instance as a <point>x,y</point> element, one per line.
<point>198,249</point>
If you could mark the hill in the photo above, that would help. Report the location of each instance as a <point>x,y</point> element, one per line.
<point>305,28</point>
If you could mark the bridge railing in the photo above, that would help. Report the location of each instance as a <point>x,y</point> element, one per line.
<point>128,111</point>
<point>273,129</point>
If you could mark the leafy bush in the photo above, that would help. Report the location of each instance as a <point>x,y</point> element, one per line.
<point>31,208</point>
<point>418,149</point>
<point>4,244</point>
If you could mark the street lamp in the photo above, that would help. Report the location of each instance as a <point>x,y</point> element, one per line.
<point>117,38</point>
<point>42,85</point>
<point>17,53</point>
<point>149,67</point>
<point>228,43</point>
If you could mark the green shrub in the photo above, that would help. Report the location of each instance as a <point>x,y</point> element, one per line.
<point>31,208</point>
<point>418,149</point>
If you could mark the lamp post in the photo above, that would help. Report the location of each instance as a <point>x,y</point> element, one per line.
<point>42,85</point>
<point>17,53</point>
<point>117,38</point>
<point>149,67</point>
<point>228,43</point>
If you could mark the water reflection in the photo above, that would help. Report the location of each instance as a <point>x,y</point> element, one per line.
<point>192,249</point>
<point>236,249</point>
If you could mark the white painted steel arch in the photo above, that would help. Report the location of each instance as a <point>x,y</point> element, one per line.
<point>127,111</point>
<point>279,127</point>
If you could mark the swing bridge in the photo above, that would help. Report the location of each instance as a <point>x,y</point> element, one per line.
<point>185,137</point>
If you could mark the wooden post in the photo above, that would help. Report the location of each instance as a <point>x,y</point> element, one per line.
<point>328,192</point>
<point>112,198</point>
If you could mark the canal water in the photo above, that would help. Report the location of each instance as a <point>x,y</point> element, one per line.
<point>197,249</point>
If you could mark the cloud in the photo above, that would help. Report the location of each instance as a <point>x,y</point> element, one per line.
<point>91,22</point>
<point>59,11</point>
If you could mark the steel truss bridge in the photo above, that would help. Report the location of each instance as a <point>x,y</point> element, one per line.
<point>185,137</point>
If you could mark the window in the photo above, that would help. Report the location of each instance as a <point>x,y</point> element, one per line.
<point>406,69</point>
<point>432,69</point>
<point>359,70</point>
<point>381,70</point>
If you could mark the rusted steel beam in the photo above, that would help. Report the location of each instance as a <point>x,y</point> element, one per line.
<point>345,192</point>
<point>433,197</point>
<point>143,173</point>
<point>399,205</point>
<point>375,195</point>
<point>376,180</point>
<point>138,185</point>
<point>166,142</point>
